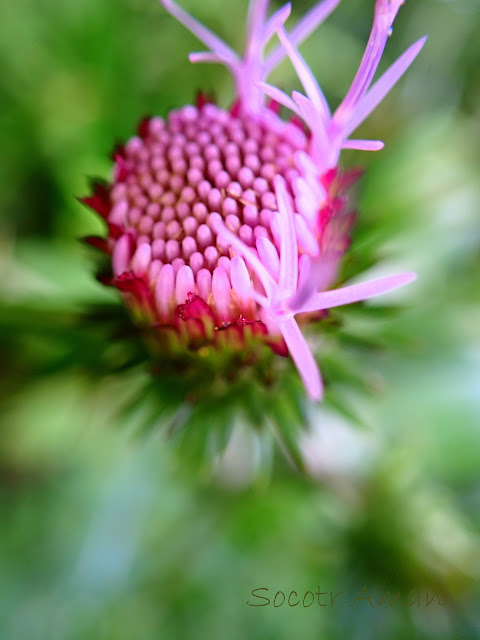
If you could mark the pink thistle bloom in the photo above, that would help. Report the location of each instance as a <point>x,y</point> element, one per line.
<point>230,224</point>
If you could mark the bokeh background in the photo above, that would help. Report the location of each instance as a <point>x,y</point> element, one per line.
<point>106,533</point>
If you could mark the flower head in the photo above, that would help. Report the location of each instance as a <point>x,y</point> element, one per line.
<point>228,225</point>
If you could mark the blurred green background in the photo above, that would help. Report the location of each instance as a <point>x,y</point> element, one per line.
<point>107,535</point>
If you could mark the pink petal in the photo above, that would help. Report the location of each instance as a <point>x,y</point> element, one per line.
<point>302,30</point>
<point>204,283</point>
<point>305,237</point>
<point>263,301</point>
<point>364,145</point>
<point>118,214</point>
<point>141,259</point>
<point>317,124</point>
<point>121,255</point>
<point>257,15</point>
<point>307,79</point>
<point>382,86</point>
<point>241,282</point>
<point>275,21</point>
<point>302,357</point>
<point>385,12</point>
<point>279,96</point>
<point>222,291</point>
<point>208,57</point>
<point>310,170</point>
<point>306,283</point>
<point>154,269</point>
<point>243,250</point>
<point>185,284</point>
<point>314,275</point>
<point>268,254</point>
<point>202,33</point>
<point>287,282</point>
<point>164,289</point>
<point>355,293</point>
<point>304,271</point>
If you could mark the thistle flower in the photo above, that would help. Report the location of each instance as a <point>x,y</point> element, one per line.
<point>228,226</point>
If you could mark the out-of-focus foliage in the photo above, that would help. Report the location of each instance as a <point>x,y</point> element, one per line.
<point>104,532</point>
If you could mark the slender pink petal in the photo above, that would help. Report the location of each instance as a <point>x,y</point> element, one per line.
<point>307,285</point>
<point>382,86</point>
<point>316,275</point>
<point>307,79</point>
<point>121,255</point>
<point>141,259</point>
<point>165,288</point>
<point>279,96</point>
<point>185,284</point>
<point>302,357</point>
<point>306,238</point>
<point>118,214</point>
<point>304,271</point>
<point>222,291</point>
<point>355,293</point>
<point>316,123</point>
<point>246,253</point>
<point>241,282</point>
<point>303,29</point>
<point>287,282</point>
<point>268,254</point>
<point>257,15</point>
<point>208,57</point>
<point>310,170</point>
<point>202,33</point>
<point>308,111</point>
<point>204,283</point>
<point>154,270</point>
<point>364,145</point>
<point>310,185</point>
<point>261,300</point>
<point>275,21</point>
<point>385,12</point>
